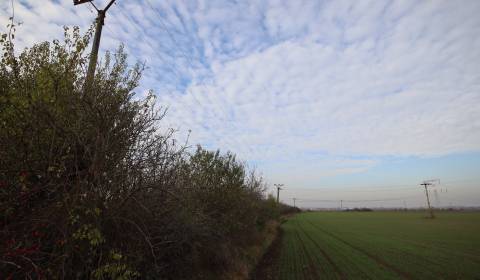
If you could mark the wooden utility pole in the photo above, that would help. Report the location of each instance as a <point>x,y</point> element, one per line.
<point>278,191</point>
<point>294,199</point>
<point>92,65</point>
<point>426,185</point>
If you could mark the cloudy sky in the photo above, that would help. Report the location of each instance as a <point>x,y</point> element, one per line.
<point>339,100</point>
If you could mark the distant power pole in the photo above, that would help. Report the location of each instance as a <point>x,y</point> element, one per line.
<point>294,199</point>
<point>278,191</point>
<point>341,204</point>
<point>426,184</point>
<point>96,39</point>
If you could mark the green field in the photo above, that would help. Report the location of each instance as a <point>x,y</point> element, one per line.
<point>380,245</point>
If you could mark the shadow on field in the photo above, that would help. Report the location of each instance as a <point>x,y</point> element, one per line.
<point>268,267</point>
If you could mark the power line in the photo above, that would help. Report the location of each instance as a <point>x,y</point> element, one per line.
<point>188,58</point>
<point>353,190</point>
<point>460,180</point>
<point>367,185</point>
<point>372,188</point>
<point>355,200</point>
<point>142,37</point>
<point>170,35</point>
<point>130,53</point>
<point>169,65</point>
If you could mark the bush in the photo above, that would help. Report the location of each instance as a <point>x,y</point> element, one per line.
<point>89,186</point>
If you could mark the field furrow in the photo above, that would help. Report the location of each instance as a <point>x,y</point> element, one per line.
<point>381,245</point>
<point>373,257</point>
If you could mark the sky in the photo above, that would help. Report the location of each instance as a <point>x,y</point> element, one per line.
<point>357,101</point>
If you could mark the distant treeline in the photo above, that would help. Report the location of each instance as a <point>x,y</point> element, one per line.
<point>364,209</point>
<point>420,209</point>
<point>90,187</point>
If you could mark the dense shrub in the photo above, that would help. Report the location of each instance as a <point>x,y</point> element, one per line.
<point>91,188</point>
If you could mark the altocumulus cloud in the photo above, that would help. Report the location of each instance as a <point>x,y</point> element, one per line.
<point>319,85</point>
<point>340,78</point>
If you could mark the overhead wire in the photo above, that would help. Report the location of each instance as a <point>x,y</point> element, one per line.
<point>189,61</point>
<point>170,35</point>
<point>357,189</point>
<point>142,36</point>
<point>114,33</point>
<point>354,200</point>
<point>378,188</point>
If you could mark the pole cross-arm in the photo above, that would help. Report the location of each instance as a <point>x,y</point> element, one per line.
<point>96,41</point>
<point>109,5</point>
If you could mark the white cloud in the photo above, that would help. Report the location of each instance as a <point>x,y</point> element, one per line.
<point>393,81</point>
<point>282,80</point>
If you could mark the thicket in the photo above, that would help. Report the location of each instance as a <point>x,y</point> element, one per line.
<point>91,188</point>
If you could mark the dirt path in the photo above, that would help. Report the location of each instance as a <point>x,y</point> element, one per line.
<point>268,268</point>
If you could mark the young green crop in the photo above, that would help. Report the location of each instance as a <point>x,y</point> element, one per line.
<point>381,245</point>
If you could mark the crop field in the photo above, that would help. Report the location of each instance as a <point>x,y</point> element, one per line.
<point>380,245</point>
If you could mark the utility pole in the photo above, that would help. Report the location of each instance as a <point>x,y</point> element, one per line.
<point>96,39</point>
<point>294,202</point>
<point>278,191</point>
<point>341,204</point>
<point>426,185</point>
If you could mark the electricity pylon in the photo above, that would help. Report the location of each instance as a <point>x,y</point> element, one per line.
<point>426,184</point>
<point>278,191</point>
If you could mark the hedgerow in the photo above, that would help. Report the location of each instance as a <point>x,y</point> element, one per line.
<point>90,187</point>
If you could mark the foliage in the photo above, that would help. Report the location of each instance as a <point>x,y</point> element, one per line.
<point>91,188</point>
